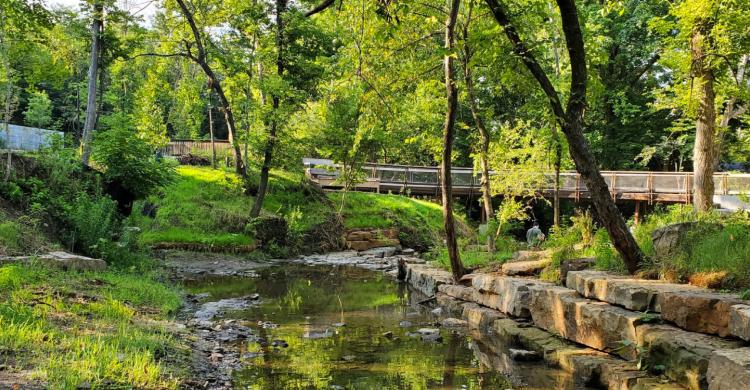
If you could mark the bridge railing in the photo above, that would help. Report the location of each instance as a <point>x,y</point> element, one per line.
<point>183,147</point>
<point>617,181</point>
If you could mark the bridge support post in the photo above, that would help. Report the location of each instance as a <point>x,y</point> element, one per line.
<point>637,215</point>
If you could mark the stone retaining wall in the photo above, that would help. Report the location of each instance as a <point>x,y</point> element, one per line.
<point>692,336</point>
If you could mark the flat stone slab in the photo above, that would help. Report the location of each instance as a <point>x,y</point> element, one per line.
<point>632,294</point>
<point>59,259</point>
<point>595,324</point>
<point>729,370</point>
<point>524,268</point>
<point>739,321</point>
<point>426,278</point>
<point>507,294</point>
<point>684,355</point>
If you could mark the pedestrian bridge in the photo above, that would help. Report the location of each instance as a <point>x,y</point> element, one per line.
<point>664,187</point>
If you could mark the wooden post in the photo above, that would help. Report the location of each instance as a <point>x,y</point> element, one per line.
<point>637,216</point>
<point>211,131</point>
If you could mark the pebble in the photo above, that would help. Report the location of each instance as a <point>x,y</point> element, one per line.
<point>404,324</point>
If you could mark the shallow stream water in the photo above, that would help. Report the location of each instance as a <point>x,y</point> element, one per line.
<point>341,327</point>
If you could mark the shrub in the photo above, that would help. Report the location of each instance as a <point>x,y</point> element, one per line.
<point>131,161</point>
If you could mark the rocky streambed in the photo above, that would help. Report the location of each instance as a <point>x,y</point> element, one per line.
<point>342,321</point>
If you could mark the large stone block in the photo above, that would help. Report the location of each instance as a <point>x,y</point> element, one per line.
<point>597,325</point>
<point>729,370</point>
<point>632,294</point>
<point>506,294</point>
<point>684,355</point>
<point>739,321</point>
<point>479,317</point>
<point>700,311</point>
<point>524,268</point>
<point>59,259</point>
<point>426,278</point>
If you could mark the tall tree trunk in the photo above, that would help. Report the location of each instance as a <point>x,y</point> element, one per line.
<point>705,124</point>
<point>451,93</point>
<point>484,146</point>
<point>213,82</point>
<point>558,163</point>
<point>271,143</point>
<point>570,120</point>
<point>90,122</point>
<point>211,132</point>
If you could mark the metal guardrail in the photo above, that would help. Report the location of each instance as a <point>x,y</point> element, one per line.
<point>647,185</point>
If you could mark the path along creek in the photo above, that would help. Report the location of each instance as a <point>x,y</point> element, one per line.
<point>340,322</point>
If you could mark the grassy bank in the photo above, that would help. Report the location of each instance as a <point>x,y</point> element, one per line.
<point>69,329</point>
<point>207,206</point>
<point>715,253</point>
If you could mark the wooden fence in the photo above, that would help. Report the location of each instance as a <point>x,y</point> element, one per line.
<point>183,147</point>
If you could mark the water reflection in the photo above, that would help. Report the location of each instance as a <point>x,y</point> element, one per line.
<point>342,327</point>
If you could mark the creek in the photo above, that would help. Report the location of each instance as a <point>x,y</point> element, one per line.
<point>344,327</point>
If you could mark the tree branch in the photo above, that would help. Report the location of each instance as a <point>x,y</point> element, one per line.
<point>519,47</point>
<point>320,8</point>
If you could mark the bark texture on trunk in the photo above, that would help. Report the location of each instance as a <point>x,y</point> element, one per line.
<point>451,91</point>
<point>202,60</point>
<point>271,143</point>
<point>570,120</point>
<point>705,123</point>
<point>90,121</point>
<point>484,135</point>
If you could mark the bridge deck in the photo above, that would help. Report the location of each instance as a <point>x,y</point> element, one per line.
<point>670,187</point>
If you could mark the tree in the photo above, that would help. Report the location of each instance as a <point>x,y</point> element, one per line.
<point>708,55</point>
<point>570,120</point>
<point>483,131</point>
<point>97,27</point>
<point>39,110</point>
<point>201,58</point>
<point>451,96</point>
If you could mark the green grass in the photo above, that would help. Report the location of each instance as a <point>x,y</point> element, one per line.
<point>20,236</point>
<point>103,329</point>
<point>707,249</point>
<point>420,222</point>
<point>204,206</point>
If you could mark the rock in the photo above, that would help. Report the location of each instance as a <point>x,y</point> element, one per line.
<point>729,370</point>
<point>700,311</point>
<point>574,265</point>
<point>478,317</point>
<point>388,335</point>
<point>739,321</point>
<point>671,239</point>
<point>524,268</point>
<point>339,324</point>
<point>437,312</point>
<point>428,331</point>
<point>523,355</point>
<point>407,252</point>
<point>426,279</point>
<point>531,255</point>
<point>632,294</point>
<point>380,252</point>
<point>62,260</point>
<point>684,355</point>
<point>453,323</point>
<point>506,294</point>
<point>432,337</point>
<point>370,244</point>
<point>595,324</point>
<point>348,358</point>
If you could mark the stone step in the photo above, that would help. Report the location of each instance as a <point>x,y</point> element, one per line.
<point>525,268</point>
<point>691,308</point>
<point>507,294</point>
<point>684,355</point>
<point>426,278</point>
<point>729,370</point>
